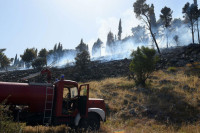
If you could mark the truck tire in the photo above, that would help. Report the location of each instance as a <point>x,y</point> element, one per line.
<point>91,123</point>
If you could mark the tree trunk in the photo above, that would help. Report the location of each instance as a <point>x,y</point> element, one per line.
<point>154,39</point>
<point>167,41</point>
<point>198,30</point>
<point>192,33</point>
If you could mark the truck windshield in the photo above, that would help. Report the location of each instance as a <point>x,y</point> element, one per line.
<point>74,92</point>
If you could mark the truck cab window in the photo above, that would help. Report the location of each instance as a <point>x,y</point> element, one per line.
<point>66,99</point>
<point>70,99</point>
<point>74,92</point>
<point>83,92</point>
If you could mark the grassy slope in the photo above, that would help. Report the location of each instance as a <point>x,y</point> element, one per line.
<point>169,103</point>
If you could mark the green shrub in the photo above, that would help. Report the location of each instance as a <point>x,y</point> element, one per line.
<point>6,121</point>
<point>142,64</point>
<point>172,69</point>
<point>39,63</point>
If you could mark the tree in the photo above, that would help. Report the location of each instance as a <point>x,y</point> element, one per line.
<point>96,48</point>
<point>176,39</point>
<point>143,12</point>
<point>82,62</point>
<point>39,63</point>
<point>15,60</point>
<point>120,30</point>
<point>139,34</point>
<point>176,23</point>
<point>152,16</point>
<point>82,47</point>
<point>197,19</point>
<point>191,13</point>
<point>166,17</point>
<point>110,42</point>
<point>4,61</point>
<point>43,53</point>
<point>28,56</point>
<point>55,48</point>
<point>142,64</point>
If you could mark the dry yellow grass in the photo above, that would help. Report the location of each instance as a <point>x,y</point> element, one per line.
<point>172,93</point>
<point>121,95</point>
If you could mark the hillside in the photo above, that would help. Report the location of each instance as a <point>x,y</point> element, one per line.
<point>170,103</point>
<point>178,57</point>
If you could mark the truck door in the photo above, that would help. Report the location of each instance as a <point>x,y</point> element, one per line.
<point>83,99</point>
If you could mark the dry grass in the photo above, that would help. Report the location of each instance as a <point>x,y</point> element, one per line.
<point>172,97</point>
<point>168,92</point>
<point>44,129</point>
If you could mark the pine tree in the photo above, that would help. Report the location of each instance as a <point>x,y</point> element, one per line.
<point>152,16</point>
<point>110,42</point>
<point>82,47</point>
<point>55,48</point>
<point>96,49</point>
<point>191,12</point>
<point>15,60</point>
<point>166,17</point>
<point>120,30</point>
<point>145,13</point>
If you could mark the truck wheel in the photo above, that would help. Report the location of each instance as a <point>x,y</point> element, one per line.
<point>90,123</point>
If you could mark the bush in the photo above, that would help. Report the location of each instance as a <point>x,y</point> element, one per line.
<point>39,63</point>
<point>142,64</point>
<point>6,121</point>
<point>172,69</point>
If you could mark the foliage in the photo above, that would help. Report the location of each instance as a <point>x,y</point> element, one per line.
<point>43,53</point>
<point>176,39</point>
<point>144,12</point>
<point>191,13</point>
<point>110,42</point>
<point>140,35</point>
<point>96,48</point>
<point>82,47</point>
<point>16,60</point>
<point>29,55</point>
<point>172,69</point>
<point>6,121</point>
<point>152,16</point>
<point>39,62</point>
<point>120,30</point>
<point>142,64</point>
<point>82,62</point>
<point>166,17</point>
<point>53,55</point>
<point>4,61</point>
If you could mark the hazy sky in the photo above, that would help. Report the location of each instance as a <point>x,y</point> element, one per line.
<point>43,23</point>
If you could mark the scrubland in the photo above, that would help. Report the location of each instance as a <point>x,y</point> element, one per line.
<point>169,103</point>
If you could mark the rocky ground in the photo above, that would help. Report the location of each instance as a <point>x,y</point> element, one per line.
<point>179,56</point>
